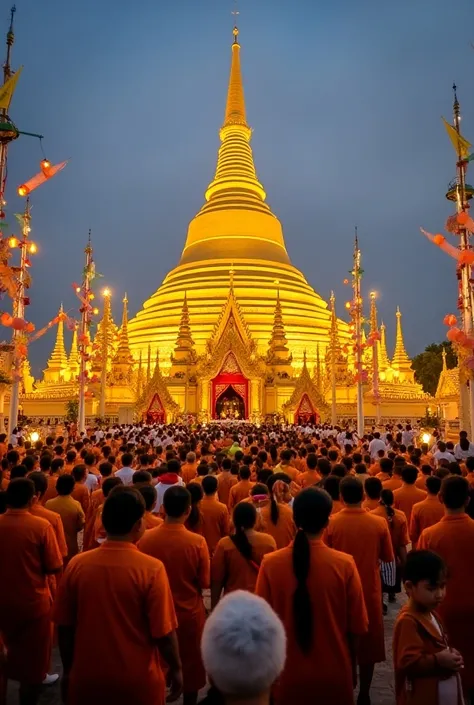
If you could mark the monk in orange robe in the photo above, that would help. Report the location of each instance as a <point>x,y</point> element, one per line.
<point>29,554</point>
<point>373,489</point>
<point>453,539</point>
<point>215,520</point>
<point>226,480</point>
<point>242,488</point>
<point>331,485</point>
<point>366,538</point>
<point>189,468</point>
<point>70,512</point>
<point>315,591</point>
<point>97,498</point>
<point>311,476</point>
<point>115,616</point>
<point>186,559</point>
<point>408,495</point>
<point>428,512</point>
<point>423,475</point>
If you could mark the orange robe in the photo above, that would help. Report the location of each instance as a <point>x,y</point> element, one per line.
<point>82,495</point>
<point>186,559</point>
<point>73,519</point>
<point>398,527</point>
<point>370,504</point>
<point>51,489</point>
<point>324,674</point>
<point>415,643</point>
<point>188,472</point>
<point>365,537</point>
<point>424,514</point>
<point>152,520</point>
<point>337,505</point>
<point>453,539</point>
<point>215,521</point>
<point>284,530</point>
<point>232,570</point>
<point>308,478</point>
<point>239,491</point>
<point>406,497</point>
<point>97,499</point>
<point>394,483</point>
<point>225,480</point>
<point>128,595</point>
<point>29,554</point>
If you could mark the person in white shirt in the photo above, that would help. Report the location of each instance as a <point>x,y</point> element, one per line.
<point>442,454</point>
<point>464,449</point>
<point>407,435</point>
<point>375,445</point>
<point>126,472</point>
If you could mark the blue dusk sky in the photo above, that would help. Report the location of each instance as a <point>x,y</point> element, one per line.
<point>345,99</point>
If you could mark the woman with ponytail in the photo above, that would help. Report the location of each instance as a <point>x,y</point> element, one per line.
<point>317,594</point>
<point>277,515</point>
<point>237,558</point>
<point>398,527</point>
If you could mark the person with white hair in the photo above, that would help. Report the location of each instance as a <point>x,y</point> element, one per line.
<point>243,649</point>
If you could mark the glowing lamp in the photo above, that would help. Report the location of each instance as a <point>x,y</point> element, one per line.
<point>32,248</point>
<point>106,292</point>
<point>45,164</point>
<point>426,437</point>
<point>373,294</point>
<point>348,304</point>
<point>13,241</point>
<point>78,289</point>
<point>91,296</point>
<point>95,311</point>
<point>23,190</point>
<point>34,436</point>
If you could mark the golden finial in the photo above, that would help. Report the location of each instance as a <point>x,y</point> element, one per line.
<point>125,299</point>
<point>235,14</point>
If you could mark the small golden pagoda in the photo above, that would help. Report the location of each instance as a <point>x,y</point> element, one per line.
<point>235,328</point>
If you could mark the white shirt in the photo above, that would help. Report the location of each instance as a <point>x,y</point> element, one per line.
<point>461,454</point>
<point>447,688</point>
<point>160,493</point>
<point>125,474</point>
<point>91,482</point>
<point>375,445</point>
<point>407,437</point>
<point>440,456</point>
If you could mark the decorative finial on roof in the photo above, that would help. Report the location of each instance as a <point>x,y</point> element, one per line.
<point>235,31</point>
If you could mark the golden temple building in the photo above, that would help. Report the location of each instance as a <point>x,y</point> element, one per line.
<point>234,330</point>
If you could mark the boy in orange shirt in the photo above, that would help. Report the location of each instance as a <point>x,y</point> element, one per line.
<point>408,495</point>
<point>214,514</point>
<point>426,668</point>
<point>427,512</point>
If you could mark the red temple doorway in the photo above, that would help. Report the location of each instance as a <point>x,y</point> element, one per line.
<point>230,392</point>
<point>306,413</point>
<point>155,412</point>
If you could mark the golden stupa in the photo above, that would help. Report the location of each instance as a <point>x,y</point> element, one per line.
<point>235,231</point>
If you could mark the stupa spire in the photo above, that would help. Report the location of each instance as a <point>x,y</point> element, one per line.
<point>107,328</point>
<point>235,106</point>
<point>123,359</point>
<point>184,348</point>
<point>58,362</point>
<point>74,356</point>
<point>334,347</point>
<point>400,356</point>
<point>384,361</point>
<point>278,353</point>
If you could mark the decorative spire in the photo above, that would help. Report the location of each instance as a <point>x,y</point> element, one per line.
<point>74,356</point>
<point>278,353</point>
<point>157,361</point>
<point>184,348</point>
<point>235,106</point>
<point>107,328</point>
<point>139,376</point>
<point>58,362</point>
<point>123,359</point>
<point>374,326</point>
<point>384,361</point>
<point>443,354</point>
<point>318,376</point>
<point>400,357</point>
<point>334,347</point>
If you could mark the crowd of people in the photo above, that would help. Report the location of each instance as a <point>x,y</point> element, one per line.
<point>250,560</point>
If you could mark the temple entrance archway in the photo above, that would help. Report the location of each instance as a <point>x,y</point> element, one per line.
<point>230,391</point>
<point>306,413</point>
<point>155,412</point>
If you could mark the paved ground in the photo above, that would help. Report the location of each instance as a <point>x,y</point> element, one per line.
<point>382,689</point>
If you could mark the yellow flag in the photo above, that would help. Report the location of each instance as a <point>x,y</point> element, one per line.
<point>460,144</point>
<point>8,89</point>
